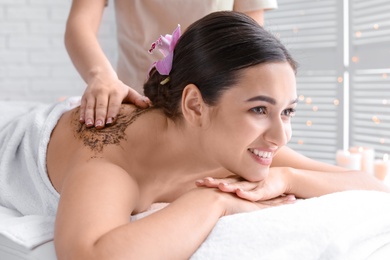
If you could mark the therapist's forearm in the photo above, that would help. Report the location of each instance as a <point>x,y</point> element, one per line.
<point>257,15</point>
<point>87,55</point>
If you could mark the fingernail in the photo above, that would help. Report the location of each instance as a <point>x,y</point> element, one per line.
<point>81,119</point>
<point>291,197</point>
<point>89,122</point>
<point>98,123</point>
<point>209,179</point>
<point>199,182</point>
<point>109,121</point>
<point>224,184</point>
<point>146,101</point>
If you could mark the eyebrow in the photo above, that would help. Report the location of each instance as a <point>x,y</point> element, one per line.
<point>269,100</point>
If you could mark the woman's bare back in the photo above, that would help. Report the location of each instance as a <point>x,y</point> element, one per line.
<point>72,143</point>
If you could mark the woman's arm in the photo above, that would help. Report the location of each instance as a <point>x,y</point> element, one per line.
<point>104,92</point>
<point>286,157</point>
<point>307,184</point>
<point>293,173</point>
<point>310,178</point>
<point>93,219</point>
<point>97,200</point>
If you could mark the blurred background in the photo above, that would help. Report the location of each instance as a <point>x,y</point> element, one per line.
<point>34,64</point>
<point>342,46</point>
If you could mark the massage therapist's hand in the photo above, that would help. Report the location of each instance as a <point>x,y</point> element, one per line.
<point>276,184</point>
<point>102,98</point>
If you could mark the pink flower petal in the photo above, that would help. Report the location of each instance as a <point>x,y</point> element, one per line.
<point>175,37</point>
<point>165,44</point>
<point>164,66</point>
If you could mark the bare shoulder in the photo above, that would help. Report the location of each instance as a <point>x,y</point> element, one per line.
<point>97,139</point>
<point>71,143</point>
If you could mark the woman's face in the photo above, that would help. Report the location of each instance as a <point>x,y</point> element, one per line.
<point>252,120</point>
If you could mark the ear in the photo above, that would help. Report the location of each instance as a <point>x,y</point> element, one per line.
<point>193,107</point>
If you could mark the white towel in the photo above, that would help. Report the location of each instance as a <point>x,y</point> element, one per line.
<point>25,131</point>
<point>28,202</point>
<point>27,231</point>
<point>346,225</point>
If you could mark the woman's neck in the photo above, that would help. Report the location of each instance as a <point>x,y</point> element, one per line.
<point>166,156</point>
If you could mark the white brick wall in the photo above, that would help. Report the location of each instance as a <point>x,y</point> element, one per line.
<point>34,64</point>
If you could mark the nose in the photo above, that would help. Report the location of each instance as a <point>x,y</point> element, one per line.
<point>278,132</point>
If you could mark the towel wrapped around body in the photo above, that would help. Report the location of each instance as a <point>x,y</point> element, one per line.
<point>25,131</point>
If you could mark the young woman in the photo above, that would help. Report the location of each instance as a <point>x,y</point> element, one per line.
<point>212,145</point>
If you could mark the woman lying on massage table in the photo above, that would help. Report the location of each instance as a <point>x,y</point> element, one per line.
<point>213,144</point>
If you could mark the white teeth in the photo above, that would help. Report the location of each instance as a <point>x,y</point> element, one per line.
<point>262,154</point>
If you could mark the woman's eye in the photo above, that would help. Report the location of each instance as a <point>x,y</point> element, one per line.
<point>290,112</point>
<point>259,110</point>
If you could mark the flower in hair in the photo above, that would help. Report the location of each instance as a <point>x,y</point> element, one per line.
<point>165,44</point>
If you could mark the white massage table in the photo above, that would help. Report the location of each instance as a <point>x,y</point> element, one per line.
<point>353,225</point>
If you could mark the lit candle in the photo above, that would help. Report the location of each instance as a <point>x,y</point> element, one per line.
<point>382,167</point>
<point>368,158</point>
<point>348,160</point>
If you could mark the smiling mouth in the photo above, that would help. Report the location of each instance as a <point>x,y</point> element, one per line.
<point>261,154</point>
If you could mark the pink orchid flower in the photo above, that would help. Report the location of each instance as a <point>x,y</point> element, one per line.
<point>165,44</point>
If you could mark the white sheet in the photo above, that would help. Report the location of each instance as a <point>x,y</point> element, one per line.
<point>347,225</point>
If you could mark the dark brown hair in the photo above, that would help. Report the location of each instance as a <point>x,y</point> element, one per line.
<point>210,55</point>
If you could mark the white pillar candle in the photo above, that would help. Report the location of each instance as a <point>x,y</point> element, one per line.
<point>368,158</point>
<point>382,167</point>
<point>348,160</point>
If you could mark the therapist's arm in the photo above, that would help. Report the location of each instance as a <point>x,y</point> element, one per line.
<point>104,92</point>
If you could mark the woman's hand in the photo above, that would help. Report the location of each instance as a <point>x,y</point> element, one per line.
<point>101,101</point>
<point>236,204</point>
<point>275,185</point>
